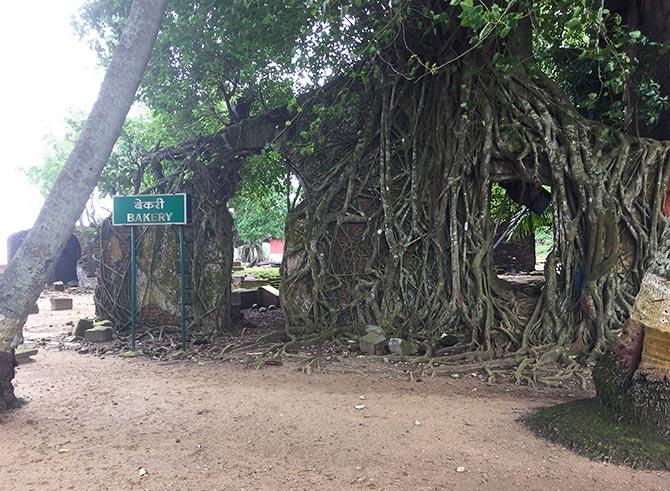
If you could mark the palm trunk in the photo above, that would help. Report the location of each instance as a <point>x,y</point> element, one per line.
<point>22,282</point>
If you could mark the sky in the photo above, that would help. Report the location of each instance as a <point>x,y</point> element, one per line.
<point>46,72</point>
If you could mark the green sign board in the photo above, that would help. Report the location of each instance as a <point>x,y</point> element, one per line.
<point>150,209</point>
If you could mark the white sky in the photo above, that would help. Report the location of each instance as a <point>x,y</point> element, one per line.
<point>46,71</point>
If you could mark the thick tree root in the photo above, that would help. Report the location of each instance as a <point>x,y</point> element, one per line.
<point>7,365</point>
<point>627,391</point>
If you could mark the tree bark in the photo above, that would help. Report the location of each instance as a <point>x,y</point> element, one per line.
<point>22,282</point>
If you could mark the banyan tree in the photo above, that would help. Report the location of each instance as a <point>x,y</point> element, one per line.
<point>396,155</point>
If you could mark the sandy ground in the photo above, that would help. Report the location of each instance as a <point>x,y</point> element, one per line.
<point>99,423</point>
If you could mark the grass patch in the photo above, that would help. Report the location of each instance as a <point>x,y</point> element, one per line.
<point>590,429</point>
<point>262,273</point>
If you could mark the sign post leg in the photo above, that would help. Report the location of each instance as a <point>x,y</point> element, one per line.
<point>182,285</point>
<point>133,288</point>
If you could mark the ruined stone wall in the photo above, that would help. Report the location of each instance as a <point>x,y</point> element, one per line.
<point>516,255</point>
<point>209,255</point>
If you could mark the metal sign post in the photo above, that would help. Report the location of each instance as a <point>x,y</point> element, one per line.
<point>153,209</point>
<point>133,288</point>
<point>182,285</point>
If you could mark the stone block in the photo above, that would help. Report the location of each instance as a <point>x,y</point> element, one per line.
<point>373,344</point>
<point>61,303</point>
<point>99,334</point>
<point>254,283</point>
<point>247,297</point>
<point>403,347</point>
<point>81,327</point>
<point>23,354</point>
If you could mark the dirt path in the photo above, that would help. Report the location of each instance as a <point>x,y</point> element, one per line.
<point>92,423</point>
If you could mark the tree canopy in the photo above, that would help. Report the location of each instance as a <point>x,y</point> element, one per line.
<point>223,61</point>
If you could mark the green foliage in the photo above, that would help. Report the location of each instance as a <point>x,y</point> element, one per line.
<point>500,18</point>
<point>263,273</point>
<point>140,135</point>
<point>256,220</point>
<point>217,62</point>
<point>597,60</point>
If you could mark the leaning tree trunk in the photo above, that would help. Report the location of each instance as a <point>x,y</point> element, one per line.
<point>22,282</point>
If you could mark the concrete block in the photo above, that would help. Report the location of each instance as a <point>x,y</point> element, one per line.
<point>373,344</point>
<point>81,327</point>
<point>61,303</point>
<point>23,355</point>
<point>254,283</point>
<point>268,295</point>
<point>247,297</point>
<point>99,334</point>
<point>403,347</point>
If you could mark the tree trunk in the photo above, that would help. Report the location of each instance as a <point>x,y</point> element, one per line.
<point>22,282</point>
<point>633,377</point>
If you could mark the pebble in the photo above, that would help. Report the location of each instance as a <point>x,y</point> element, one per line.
<point>455,375</point>
<point>460,469</point>
<point>359,406</point>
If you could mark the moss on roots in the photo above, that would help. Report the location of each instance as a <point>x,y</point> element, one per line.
<point>593,430</point>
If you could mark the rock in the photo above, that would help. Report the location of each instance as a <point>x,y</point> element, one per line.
<point>447,340</point>
<point>371,328</point>
<point>82,326</point>
<point>59,286</point>
<point>61,303</point>
<point>129,354</point>
<point>359,406</point>
<point>83,351</point>
<point>417,423</point>
<point>262,309</point>
<point>460,469</point>
<point>254,306</point>
<point>35,309</point>
<point>403,347</point>
<point>455,375</point>
<point>99,334</point>
<point>23,355</point>
<point>373,344</point>
<point>272,307</point>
